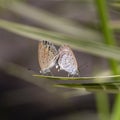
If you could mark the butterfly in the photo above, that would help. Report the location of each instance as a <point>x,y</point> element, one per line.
<point>67,61</point>
<point>47,56</point>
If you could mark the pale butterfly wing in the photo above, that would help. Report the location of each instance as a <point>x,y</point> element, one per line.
<point>67,60</point>
<point>47,56</point>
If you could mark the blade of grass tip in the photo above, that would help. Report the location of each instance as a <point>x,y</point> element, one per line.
<point>109,39</point>
<point>92,47</point>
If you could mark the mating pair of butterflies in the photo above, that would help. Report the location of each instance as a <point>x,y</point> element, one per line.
<point>63,58</point>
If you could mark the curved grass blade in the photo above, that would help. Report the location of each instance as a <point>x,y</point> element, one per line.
<point>109,40</point>
<point>94,87</point>
<point>78,78</point>
<point>52,21</point>
<point>92,47</point>
<point>103,85</point>
<point>108,86</point>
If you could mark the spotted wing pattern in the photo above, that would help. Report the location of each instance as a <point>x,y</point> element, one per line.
<point>47,56</point>
<point>67,60</point>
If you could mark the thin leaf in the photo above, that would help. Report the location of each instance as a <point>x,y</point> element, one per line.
<point>94,87</point>
<point>110,41</point>
<point>53,21</point>
<point>92,47</point>
<point>78,78</point>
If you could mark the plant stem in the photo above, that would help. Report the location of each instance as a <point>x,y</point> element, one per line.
<point>102,105</point>
<point>107,32</point>
<point>110,41</point>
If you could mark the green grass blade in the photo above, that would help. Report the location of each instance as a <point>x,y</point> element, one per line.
<point>104,84</point>
<point>103,110</point>
<point>92,47</point>
<point>52,21</point>
<point>110,41</point>
<point>101,78</point>
<point>116,110</point>
<point>107,32</point>
<point>93,87</point>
